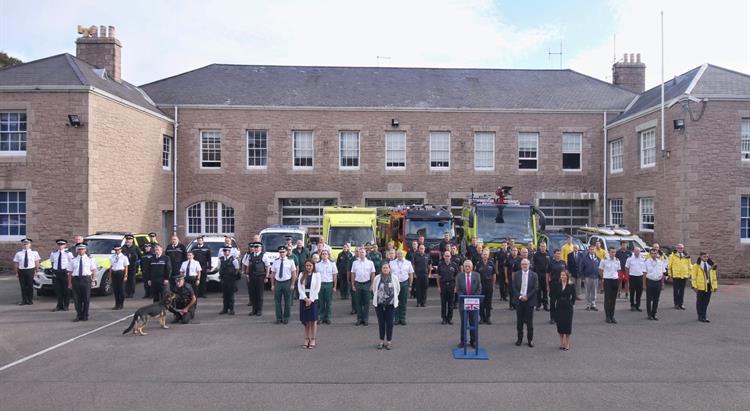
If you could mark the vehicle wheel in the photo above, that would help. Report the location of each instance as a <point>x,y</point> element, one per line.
<point>105,287</point>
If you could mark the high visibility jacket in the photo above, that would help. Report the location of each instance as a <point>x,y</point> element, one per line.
<point>699,277</point>
<point>679,267</point>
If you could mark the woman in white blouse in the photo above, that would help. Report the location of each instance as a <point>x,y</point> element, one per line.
<point>385,290</point>
<point>308,285</point>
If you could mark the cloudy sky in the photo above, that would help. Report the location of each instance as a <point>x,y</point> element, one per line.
<point>168,37</point>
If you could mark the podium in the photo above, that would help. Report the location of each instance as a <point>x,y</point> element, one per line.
<point>471,305</point>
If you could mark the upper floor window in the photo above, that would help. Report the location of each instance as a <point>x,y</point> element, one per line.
<point>210,217</point>
<point>648,148</point>
<point>745,139</point>
<point>646,212</point>
<point>303,149</point>
<point>257,148</point>
<point>12,133</point>
<point>440,150</point>
<point>166,153</point>
<point>349,149</point>
<point>210,149</point>
<point>745,219</point>
<point>616,214</point>
<point>615,156</point>
<point>571,151</point>
<point>528,149</point>
<point>12,215</point>
<point>484,151</point>
<point>395,149</point>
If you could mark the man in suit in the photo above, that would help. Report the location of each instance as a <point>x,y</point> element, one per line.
<point>572,262</point>
<point>468,282</point>
<point>525,285</point>
<point>588,269</point>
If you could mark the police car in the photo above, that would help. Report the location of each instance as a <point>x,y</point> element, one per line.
<point>215,243</point>
<point>275,236</point>
<point>100,247</point>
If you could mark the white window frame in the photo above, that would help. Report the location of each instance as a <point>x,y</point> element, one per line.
<point>650,134</point>
<point>745,139</point>
<point>221,214</point>
<point>535,158</point>
<point>616,203</point>
<point>388,136</point>
<point>349,133</point>
<point>579,136</point>
<point>295,134</point>
<point>18,214</point>
<point>167,145</point>
<point>447,135</point>
<point>745,240</point>
<point>8,133</point>
<point>619,155</point>
<point>247,149</point>
<point>203,134</point>
<point>477,136</point>
<point>641,214</point>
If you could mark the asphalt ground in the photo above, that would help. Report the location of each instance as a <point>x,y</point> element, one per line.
<point>241,362</point>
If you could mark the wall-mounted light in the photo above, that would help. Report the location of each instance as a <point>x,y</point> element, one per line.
<point>394,122</point>
<point>679,124</point>
<point>74,120</point>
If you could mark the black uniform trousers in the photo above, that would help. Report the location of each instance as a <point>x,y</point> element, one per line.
<point>256,286</point>
<point>184,318</point>
<point>204,279</point>
<point>702,298</point>
<point>485,308</point>
<point>653,291</point>
<point>130,284</point>
<point>636,290</point>
<point>678,289</point>
<point>421,284</point>
<point>541,293</point>
<point>228,288</point>
<point>525,315</point>
<point>447,296</point>
<point>158,289</point>
<point>26,279</point>
<point>60,283</point>
<point>610,297</point>
<point>344,285</point>
<point>118,287</point>
<point>82,295</point>
<point>191,280</point>
<point>553,297</point>
<point>502,286</point>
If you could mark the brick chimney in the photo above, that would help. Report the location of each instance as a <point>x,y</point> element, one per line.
<point>630,73</point>
<point>100,48</point>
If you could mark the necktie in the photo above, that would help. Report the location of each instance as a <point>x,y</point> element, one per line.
<point>26,259</point>
<point>468,283</point>
<point>281,270</point>
<point>524,279</point>
<point>708,277</point>
<point>80,266</point>
<point>59,260</point>
<point>187,269</point>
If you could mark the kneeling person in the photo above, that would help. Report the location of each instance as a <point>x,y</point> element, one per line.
<point>185,301</point>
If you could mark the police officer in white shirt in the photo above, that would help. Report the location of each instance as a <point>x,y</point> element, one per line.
<point>328,284</point>
<point>608,269</point>
<point>653,282</point>
<point>81,276</point>
<point>60,260</point>
<point>361,275</point>
<point>403,271</point>
<point>26,262</point>
<point>635,266</point>
<point>282,284</point>
<point>191,269</point>
<point>118,276</point>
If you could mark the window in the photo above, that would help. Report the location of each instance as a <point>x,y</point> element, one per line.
<point>210,217</point>
<point>303,149</point>
<point>210,149</point>
<point>646,212</point>
<point>440,150</point>
<point>648,148</point>
<point>484,151</point>
<point>565,214</point>
<point>571,151</point>
<point>349,149</point>
<point>745,219</point>
<point>615,156</point>
<point>257,148</point>
<point>745,139</point>
<point>528,144</point>
<point>13,133</point>
<point>392,202</point>
<point>12,215</point>
<point>166,153</point>
<point>616,216</point>
<point>395,149</point>
<point>305,212</point>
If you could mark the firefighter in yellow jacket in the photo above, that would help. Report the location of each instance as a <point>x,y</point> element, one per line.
<point>704,283</point>
<point>679,269</point>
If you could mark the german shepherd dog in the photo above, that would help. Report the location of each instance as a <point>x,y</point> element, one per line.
<point>141,316</point>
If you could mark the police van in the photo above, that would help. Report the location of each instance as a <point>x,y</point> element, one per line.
<point>275,236</point>
<point>215,243</point>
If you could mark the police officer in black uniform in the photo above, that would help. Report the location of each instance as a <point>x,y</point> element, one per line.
<point>556,266</point>
<point>540,265</point>
<point>60,260</point>
<point>486,270</point>
<point>202,254</point>
<point>258,272</point>
<point>185,301</point>
<point>512,265</point>
<point>501,256</point>
<point>147,256</point>
<point>447,272</point>
<point>160,270</point>
<point>422,267</point>
<point>131,251</point>
<point>177,253</point>
<point>229,273</point>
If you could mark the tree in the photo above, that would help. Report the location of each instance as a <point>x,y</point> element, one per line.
<point>7,61</point>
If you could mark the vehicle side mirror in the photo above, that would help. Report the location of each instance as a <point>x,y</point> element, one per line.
<point>542,219</point>
<point>471,219</point>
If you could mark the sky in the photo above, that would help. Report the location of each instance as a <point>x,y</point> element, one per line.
<point>162,38</point>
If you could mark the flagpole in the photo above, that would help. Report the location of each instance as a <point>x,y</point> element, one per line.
<point>662,83</point>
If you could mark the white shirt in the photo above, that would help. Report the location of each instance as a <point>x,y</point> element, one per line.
<point>654,269</point>
<point>610,266</point>
<point>195,268</point>
<point>636,265</point>
<point>288,268</point>
<point>21,255</point>
<point>401,269</point>
<point>118,262</point>
<point>235,251</point>
<point>246,259</point>
<point>66,257</point>
<point>524,283</point>
<point>312,292</point>
<point>362,270</point>
<point>88,265</point>
<point>327,270</point>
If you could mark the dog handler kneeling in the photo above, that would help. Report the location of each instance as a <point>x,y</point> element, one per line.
<point>185,301</point>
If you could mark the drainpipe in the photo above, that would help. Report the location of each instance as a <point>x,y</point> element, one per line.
<point>174,174</point>
<point>604,200</point>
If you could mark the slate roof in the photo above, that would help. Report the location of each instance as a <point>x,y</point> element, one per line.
<point>374,87</point>
<point>67,70</point>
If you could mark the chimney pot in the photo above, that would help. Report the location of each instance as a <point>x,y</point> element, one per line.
<point>625,58</point>
<point>638,58</point>
<point>111,32</point>
<point>99,47</point>
<point>632,58</point>
<point>630,74</point>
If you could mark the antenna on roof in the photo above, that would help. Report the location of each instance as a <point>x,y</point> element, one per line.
<point>560,53</point>
<point>378,58</point>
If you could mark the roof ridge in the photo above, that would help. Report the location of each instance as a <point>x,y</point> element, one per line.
<point>384,67</point>
<point>76,70</point>
<point>176,75</point>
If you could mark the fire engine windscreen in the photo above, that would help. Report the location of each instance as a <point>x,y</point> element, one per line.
<point>356,236</point>
<point>498,223</point>
<point>431,230</point>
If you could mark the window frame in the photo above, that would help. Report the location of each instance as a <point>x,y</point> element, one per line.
<point>651,133</point>
<point>349,133</point>
<point>745,139</point>
<point>202,152</point>
<point>21,216</point>
<point>579,135</point>
<point>169,152</point>
<point>518,152</point>
<point>745,219</point>
<point>621,155</point>
<point>221,208</point>
<point>295,134</point>
<point>24,134</point>
<point>386,138</point>
<point>436,134</point>
<point>262,149</point>
<point>492,136</point>
<point>612,202</point>
<point>641,214</point>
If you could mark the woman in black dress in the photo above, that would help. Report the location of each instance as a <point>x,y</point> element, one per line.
<point>564,314</point>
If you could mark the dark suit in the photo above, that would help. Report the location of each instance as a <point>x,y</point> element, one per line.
<point>476,289</point>
<point>525,309</point>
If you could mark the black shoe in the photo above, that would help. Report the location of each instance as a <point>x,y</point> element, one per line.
<point>22,303</point>
<point>519,342</point>
<point>530,344</point>
<point>365,323</point>
<point>352,313</point>
<point>222,312</point>
<point>632,308</point>
<point>115,307</point>
<point>358,323</point>
<point>443,322</point>
<point>613,321</point>
<point>608,321</point>
<point>403,322</point>
<point>75,320</point>
<point>259,313</point>
<point>460,345</point>
<point>249,304</point>
<point>588,308</point>
<point>278,321</point>
<point>650,318</point>
<point>488,322</point>
<point>473,344</point>
<point>327,322</point>
<point>538,308</point>
<point>450,322</point>
<point>551,321</point>
<point>594,309</point>
<point>231,312</point>
<point>481,321</point>
<point>286,321</point>
<point>85,319</point>
<point>251,313</point>
<point>638,309</point>
<point>655,318</point>
<point>65,309</point>
<point>546,308</point>
<point>682,307</point>
<point>706,320</point>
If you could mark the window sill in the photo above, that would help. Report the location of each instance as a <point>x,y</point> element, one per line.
<point>648,166</point>
<point>257,167</point>
<point>440,169</point>
<point>484,169</point>
<point>395,168</point>
<point>745,241</point>
<point>616,171</point>
<point>11,238</point>
<point>12,154</point>
<point>302,168</point>
<point>572,170</point>
<point>348,168</point>
<point>645,230</point>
